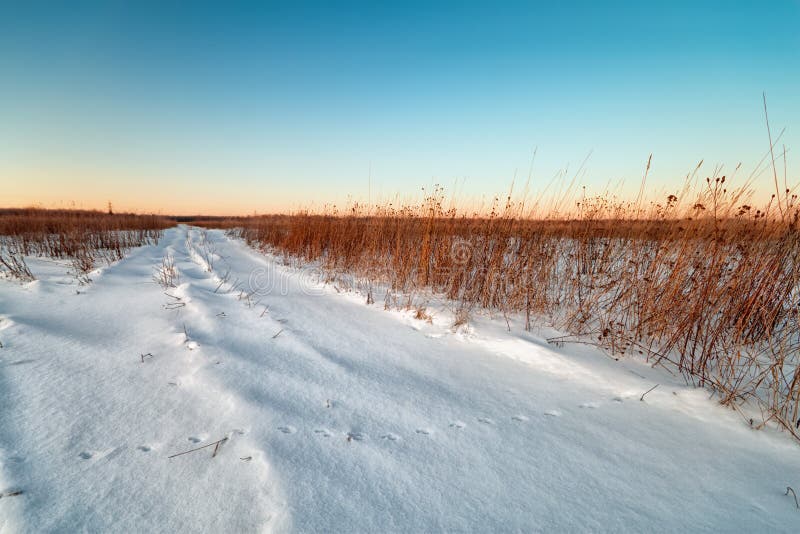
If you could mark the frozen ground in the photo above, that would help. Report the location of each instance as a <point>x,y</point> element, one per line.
<point>342,417</point>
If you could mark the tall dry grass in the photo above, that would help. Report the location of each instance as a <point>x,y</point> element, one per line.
<point>83,237</point>
<point>705,284</point>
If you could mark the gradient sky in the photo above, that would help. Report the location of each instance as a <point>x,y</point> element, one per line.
<point>236,107</point>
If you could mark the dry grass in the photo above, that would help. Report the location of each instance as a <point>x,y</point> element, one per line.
<point>83,237</point>
<point>707,284</point>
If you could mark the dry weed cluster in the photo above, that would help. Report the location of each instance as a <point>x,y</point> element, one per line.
<point>83,237</point>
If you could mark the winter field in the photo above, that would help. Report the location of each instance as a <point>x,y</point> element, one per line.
<point>303,406</point>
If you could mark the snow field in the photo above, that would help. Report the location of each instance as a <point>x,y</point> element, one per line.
<point>340,416</point>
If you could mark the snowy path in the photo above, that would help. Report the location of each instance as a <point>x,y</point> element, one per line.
<point>352,419</point>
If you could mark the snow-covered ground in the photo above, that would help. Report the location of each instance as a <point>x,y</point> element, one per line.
<point>343,417</point>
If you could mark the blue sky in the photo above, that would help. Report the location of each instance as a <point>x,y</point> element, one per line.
<point>235,107</point>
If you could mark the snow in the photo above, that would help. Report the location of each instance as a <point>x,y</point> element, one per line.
<point>341,416</point>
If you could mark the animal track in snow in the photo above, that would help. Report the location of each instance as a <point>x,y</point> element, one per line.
<point>423,431</point>
<point>322,432</point>
<point>108,454</point>
<point>590,405</point>
<point>287,429</point>
<point>21,362</point>
<point>144,448</point>
<point>485,420</point>
<point>113,453</point>
<point>458,425</point>
<point>519,417</point>
<point>355,436</point>
<point>194,439</point>
<point>390,436</point>
<point>553,413</point>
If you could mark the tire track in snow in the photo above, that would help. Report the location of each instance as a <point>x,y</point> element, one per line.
<point>199,323</point>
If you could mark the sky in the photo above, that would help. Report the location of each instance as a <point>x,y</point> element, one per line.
<point>242,107</point>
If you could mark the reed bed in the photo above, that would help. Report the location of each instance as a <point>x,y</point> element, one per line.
<point>82,237</point>
<point>706,285</point>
